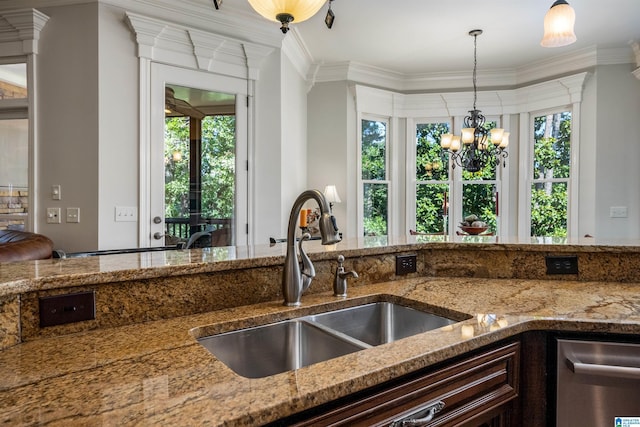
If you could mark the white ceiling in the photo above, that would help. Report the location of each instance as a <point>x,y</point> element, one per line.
<point>415,37</point>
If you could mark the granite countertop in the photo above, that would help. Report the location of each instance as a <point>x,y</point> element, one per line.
<point>22,277</point>
<point>157,374</point>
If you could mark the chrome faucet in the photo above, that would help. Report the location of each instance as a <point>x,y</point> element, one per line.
<point>340,279</point>
<point>297,279</point>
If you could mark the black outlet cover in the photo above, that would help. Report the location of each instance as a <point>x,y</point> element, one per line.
<point>406,264</point>
<point>562,264</point>
<point>68,308</point>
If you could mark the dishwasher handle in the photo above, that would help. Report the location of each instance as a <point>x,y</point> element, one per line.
<point>603,370</point>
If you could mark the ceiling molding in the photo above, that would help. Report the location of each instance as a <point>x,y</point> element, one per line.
<point>553,93</point>
<point>505,79</point>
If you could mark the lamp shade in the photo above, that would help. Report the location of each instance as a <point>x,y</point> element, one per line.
<point>300,10</point>
<point>558,25</point>
<point>331,194</point>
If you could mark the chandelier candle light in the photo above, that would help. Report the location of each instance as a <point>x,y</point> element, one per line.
<point>473,150</point>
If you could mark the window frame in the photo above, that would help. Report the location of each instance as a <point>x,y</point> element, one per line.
<point>388,171</point>
<point>527,141</point>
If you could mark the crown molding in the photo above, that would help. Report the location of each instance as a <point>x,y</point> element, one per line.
<point>496,79</point>
<point>561,91</point>
<point>171,43</point>
<point>20,31</point>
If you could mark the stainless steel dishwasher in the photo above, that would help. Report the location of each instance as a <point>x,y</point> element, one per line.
<point>598,384</point>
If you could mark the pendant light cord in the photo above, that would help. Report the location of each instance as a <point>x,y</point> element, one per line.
<point>475,65</point>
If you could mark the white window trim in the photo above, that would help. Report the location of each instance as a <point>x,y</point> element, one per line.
<point>572,181</point>
<point>21,31</point>
<point>388,174</point>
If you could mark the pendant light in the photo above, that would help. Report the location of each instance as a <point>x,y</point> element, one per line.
<point>558,25</point>
<point>286,11</point>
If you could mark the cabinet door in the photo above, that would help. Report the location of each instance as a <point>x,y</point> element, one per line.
<point>476,391</point>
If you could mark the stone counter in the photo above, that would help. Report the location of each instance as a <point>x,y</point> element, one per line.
<point>155,373</point>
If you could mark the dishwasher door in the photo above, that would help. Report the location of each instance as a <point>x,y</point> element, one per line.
<point>598,384</point>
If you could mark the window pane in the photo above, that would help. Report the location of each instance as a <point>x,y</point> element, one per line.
<point>176,168</point>
<point>218,167</point>
<point>552,146</point>
<point>375,209</point>
<point>13,81</point>
<point>549,209</point>
<point>489,170</point>
<point>480,200</point>
<point>430,211</point>
<point>429,164</point>
<point>374,147</point>
<point>14,173</point>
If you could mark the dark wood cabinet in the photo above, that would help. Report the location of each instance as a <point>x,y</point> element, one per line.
<point>475,391</point>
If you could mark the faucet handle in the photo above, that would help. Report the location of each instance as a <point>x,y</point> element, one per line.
<point>341,261</point>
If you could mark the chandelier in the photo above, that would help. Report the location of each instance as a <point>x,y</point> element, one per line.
<point>286,11</point>
<point>477,146</point>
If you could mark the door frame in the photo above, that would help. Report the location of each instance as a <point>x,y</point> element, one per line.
<point>152,152</point>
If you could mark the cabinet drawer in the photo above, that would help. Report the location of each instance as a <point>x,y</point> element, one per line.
<point>473,390</point>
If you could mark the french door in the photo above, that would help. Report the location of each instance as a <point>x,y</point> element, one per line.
<point>190,110</point>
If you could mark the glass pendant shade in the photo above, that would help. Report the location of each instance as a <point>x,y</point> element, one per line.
<point>445,140</point>
<point>468,135</point>
<point>504,143</point>
<point>455,143</point>
<point>558,25</point>
<point>496,135</point>
<point>296,10</point>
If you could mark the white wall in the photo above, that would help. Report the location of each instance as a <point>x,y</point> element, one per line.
<point>332,147</point>
<point>67,73</point>
<point>618,151</point>
<point>117,129</point>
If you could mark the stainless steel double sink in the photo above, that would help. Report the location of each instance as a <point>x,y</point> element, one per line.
<point>266,350</point>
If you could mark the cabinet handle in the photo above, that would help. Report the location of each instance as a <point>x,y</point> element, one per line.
<point>432,410</point>
<point>603,370</point>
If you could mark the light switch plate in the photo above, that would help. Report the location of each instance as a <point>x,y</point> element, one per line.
<point>53,216</point>
<point>73,214</point>
<point>126,214</point>
<point>56,192</point>
<point>618,212</point>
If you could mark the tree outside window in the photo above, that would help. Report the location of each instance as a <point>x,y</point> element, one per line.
<point>432,179</point>
<point>374,178</point>
<point>551,173</point>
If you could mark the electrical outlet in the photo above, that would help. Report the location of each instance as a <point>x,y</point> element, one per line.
<point>68,308</point>
<point>567,264</point>
<point>406,264</point>
<point>53,216</point>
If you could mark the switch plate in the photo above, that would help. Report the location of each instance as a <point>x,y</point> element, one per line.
<point>406,264</point>
<point>126,214</point>
<point>56,192</point>
<point>565,264</point>
<point>53,216</point>
<point>618,212</point>
<point>68,308</point>
<point>73,214</point>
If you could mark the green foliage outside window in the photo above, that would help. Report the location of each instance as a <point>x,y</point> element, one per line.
<point>217,165</point>
<point>373,154</point>
<point>552,151</point>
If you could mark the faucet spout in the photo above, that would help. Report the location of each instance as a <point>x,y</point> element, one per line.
<point>296,279</point>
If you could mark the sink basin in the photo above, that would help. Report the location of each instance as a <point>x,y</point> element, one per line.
<point>266,350</point>
<point>381,322</point>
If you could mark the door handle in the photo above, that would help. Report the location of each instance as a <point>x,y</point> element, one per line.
<point>431,411</point>
<point>603,370</point>
<point>157,235</point>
